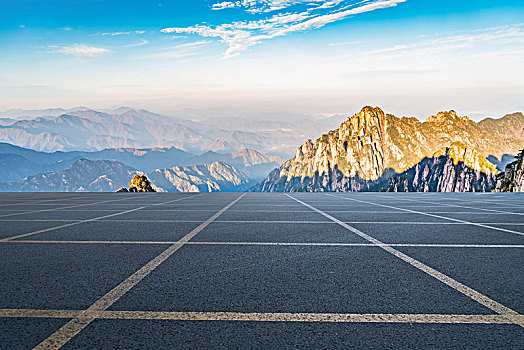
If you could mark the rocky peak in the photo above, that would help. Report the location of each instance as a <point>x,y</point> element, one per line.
<point>445,117</point>
<point>367,121</point>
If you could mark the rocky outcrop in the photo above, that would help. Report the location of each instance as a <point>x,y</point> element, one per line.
<point>512,179</point>
<point>371,147</point>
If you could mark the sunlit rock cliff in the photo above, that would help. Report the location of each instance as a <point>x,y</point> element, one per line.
<point>372,147</point>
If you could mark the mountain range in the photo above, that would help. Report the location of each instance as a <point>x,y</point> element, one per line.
<point>87,175</point>
<point>84,129</point>
<point>18,162</point>
<point>373,151</point>
<point>370,151</point>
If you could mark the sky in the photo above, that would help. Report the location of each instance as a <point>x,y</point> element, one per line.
<point>316,57</point>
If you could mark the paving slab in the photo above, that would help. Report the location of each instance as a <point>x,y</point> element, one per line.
<point>65,276</point>
<point>145,334</point>
<point>15,228</point>
<point>496,273</point>
<point>277,232</point>
<point>438,234</point>
<point>26,333</point>
<point>293,279</point>
<point>118,231</point>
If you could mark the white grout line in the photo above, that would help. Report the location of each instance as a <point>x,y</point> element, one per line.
<point>267,316</point>
<point>471,293</point>
<point>432,215</point>
<point>88,220</point>
<point>320,244</point>
<point>462,206</point>
<point>82,320</point>
<point>38,202</point>
<point>271,222</point>
<point>363,244</point>
<point>67,207</point>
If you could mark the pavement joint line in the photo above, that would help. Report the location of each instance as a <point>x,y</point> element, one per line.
<point>37,202</point>
<point>319,244</point>
<point>82,320</point>
<point>263,211</point>
<point>501,201</point>
<point>271,222</point>
<point>67,207</point>
<point>88,220</point>
<point>432,215</point>
<point>460,287</point>
<point>265,316</point>
<point>462,206</point>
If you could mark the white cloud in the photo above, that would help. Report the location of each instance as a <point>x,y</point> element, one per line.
<point>241,35</point>
<point>137,32</point>
<point>81,50</point>
<point>224,5</point>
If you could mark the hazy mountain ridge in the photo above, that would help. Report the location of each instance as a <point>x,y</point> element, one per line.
<point>82,176</point>
<point>254,164</point>
<point>86,175</point>
<point>88,130</point>
<point>28,170</point>
<point>372,146</point>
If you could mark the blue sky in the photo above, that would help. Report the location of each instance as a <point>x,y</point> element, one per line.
<point>412,57</point>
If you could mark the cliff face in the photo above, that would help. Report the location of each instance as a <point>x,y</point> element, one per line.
<point>456,168</point>
<point>373,146</point>
<point>512,180</point>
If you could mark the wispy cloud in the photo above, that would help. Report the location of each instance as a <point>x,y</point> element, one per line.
<point>142,42</point>
<point>308,15</point>
<point>182,50</point>
<point>346,43</point>
<point>475,38</point>
<point>137,32</point>
<point>80,50</point>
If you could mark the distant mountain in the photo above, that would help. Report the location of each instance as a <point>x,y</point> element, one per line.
<point>83,129</point>
<point>108,175</point>
<point>144,159</point>
<point>254,164</point>
<point>82,176</point>
<point>372,146</point>
<point>215,177</point>
<point>14,167</point>
<point>29,162</point>
<point>512,179</point>
<point>35,113</point>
